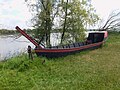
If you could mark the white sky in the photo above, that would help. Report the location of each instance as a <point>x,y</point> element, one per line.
<point>15,12</point>
<point>105,7</point>
<point>12,13</point>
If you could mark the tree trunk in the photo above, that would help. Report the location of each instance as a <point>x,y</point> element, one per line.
<point>64,27</point>
<point>48,24</point>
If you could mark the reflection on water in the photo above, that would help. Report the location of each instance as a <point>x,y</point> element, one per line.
<point>10,46</point>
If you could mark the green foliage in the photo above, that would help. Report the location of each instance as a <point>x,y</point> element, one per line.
<point>76,16</point>
<point>71,17</point>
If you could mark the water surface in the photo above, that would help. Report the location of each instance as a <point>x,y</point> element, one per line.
<point>9,46</point>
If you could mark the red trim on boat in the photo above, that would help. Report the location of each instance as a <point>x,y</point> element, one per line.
<point>68,49</point>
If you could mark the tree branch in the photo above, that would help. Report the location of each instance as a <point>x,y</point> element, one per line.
<point>112,21</point>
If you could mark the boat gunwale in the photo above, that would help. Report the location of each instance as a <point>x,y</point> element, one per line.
<point>68,49</point>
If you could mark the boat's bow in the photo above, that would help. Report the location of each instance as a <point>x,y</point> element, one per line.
<point>28,37</point>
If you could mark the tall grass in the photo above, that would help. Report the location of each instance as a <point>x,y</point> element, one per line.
<point>90,70</point>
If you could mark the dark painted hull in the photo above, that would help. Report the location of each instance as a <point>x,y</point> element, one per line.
<point>54,53</point>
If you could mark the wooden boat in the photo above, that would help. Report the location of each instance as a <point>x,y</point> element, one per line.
<point>94,40</point>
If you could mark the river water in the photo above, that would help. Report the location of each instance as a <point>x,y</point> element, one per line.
<point>9,46</point>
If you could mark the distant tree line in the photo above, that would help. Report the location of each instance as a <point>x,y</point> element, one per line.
<point>11,32</point>
<point>7,32</point>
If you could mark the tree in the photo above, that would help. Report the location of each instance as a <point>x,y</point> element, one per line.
<point>73,17</point>
<point>76,15</point>
<point>43,19</point>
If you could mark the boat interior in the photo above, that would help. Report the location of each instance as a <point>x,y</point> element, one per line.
<point>92,38</point>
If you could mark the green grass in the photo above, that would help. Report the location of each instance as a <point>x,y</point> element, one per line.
<point>90,70</point>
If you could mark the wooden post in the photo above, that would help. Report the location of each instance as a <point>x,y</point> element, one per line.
<point>29,52</point>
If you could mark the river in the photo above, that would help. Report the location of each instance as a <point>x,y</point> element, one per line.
<point>9,46</point>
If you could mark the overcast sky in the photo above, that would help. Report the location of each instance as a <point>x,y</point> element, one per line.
<point>12,13</point>
<point>15,12</point>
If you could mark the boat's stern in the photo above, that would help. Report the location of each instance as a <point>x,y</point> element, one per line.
<point>105,35</point>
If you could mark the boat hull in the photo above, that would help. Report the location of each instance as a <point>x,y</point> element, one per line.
<point>94,40</point>
<point>55,53</point>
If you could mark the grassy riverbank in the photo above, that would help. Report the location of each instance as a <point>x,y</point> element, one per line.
<point>90,70</point>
